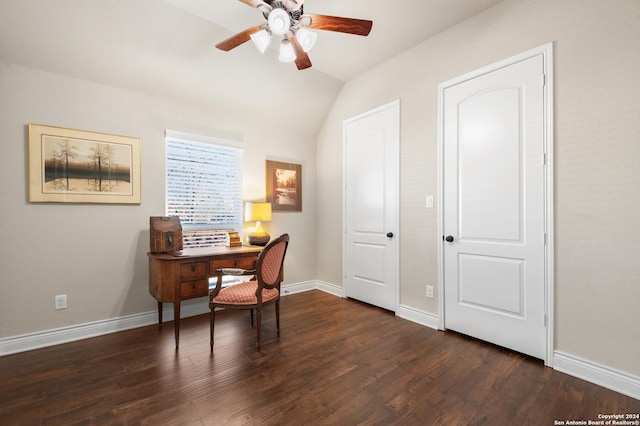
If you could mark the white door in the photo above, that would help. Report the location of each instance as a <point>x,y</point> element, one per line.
<point>371,152</point>
<point>494,206</point>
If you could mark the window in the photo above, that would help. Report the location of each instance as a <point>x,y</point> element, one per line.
<point>204,187</point>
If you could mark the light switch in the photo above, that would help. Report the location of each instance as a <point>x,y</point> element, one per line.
<point>429,201</point>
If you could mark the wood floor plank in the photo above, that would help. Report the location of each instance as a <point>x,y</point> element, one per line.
<point>337,362</point>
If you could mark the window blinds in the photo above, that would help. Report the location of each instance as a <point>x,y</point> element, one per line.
<point>201,238</point>
<point>204,183</point>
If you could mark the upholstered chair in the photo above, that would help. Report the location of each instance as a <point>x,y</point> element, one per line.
<point>254,293</point>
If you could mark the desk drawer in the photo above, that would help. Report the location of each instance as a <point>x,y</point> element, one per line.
<point>191,289</point>
<point>193,270</point>
<point>235,262</point>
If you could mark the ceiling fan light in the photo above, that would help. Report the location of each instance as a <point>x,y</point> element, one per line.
<point>265,9</point>
<point>305,21</point>
<point>287,54</point>
<point>306,38</point>
<point>293,5</point>
<point>261,39</point>
<point>279,21</point>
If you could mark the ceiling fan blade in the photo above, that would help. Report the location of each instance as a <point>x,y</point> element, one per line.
<point>302,59</point>
<point>336,23</point>
<point>236,40</point>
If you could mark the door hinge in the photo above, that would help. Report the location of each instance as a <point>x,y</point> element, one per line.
<point>545,320</point>
<point>544,80</point>
<point>545,238</point>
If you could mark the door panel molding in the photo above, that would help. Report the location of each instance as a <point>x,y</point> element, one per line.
<point>547,82</point>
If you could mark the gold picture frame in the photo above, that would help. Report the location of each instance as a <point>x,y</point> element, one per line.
<point>79,166</point>
<point>284,186</point>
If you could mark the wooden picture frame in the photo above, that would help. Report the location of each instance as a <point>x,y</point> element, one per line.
<point>284,186</point>
<point>79,166</point>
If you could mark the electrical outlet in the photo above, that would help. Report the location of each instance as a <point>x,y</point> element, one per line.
<point>61,301</point>
<point>430,291</point>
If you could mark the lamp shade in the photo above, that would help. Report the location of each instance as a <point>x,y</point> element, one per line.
<point>306,38</point>
<point>287,54</point>
<point>261,39</point>
<point>257,212</point>
<point>293,4</point>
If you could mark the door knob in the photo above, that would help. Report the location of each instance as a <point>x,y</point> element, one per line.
<point>449,238</point>
<point>390,234</point>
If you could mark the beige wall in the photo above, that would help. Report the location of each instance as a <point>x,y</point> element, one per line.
<point>96,254</point>
<point>597,123</point>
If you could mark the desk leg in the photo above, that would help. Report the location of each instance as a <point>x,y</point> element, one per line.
<point>176,320</point>
<point>159,313</point>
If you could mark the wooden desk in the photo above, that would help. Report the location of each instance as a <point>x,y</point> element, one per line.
<point>176,277</point>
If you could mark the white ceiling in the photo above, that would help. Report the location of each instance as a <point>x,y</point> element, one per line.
<point>166,48</point>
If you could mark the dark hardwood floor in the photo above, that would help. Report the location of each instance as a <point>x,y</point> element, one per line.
<point>337,362</point>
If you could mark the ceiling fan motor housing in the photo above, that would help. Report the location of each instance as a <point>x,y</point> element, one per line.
<point>294,15</point>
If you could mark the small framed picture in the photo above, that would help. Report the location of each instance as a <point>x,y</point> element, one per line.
<point>78,166</point>
<point>284,186</point>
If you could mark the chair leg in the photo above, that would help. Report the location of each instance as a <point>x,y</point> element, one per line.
<point>278,318</point>
<point>252,322</point>
<point>258,326</point>
<point>213,321</point>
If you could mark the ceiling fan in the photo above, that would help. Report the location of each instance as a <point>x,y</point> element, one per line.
<point>286,18</point>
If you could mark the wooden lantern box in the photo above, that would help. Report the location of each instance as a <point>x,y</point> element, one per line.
<point>165,234</point>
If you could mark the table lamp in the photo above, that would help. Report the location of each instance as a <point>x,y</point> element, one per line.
<point>257,212</point>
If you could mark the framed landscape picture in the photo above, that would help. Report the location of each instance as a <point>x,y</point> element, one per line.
<point>284,186</point>
<point>78,166</point>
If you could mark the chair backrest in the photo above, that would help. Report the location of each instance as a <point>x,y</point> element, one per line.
<point>270,261</point>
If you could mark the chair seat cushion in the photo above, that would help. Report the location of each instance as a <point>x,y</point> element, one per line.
<point>244,294</point>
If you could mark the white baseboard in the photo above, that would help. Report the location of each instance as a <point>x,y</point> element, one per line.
<point>330,288</point>
<point>601,375</point>
<point>41,339</point>
<point>57,336</point>
<point>420,317</point>
<point>288,289</point>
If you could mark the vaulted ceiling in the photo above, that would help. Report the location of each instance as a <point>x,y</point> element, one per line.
<point>166,48</point>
